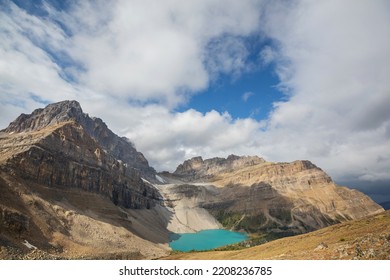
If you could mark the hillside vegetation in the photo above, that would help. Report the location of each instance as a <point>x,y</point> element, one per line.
<point>367,238</point>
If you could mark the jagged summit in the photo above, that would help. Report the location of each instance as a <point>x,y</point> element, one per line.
<point>248,193</point>
<point>67,180</point>
<point>70,110</point>
<point>60,145</point>
<point>197,167</point>
<point>52,114</point>
<point>69,184</point>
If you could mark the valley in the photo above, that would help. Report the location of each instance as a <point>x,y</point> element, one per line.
<point>72,189</point>
<point>363,239</point>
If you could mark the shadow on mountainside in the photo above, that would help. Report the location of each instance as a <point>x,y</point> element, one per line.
<point>59,220</point>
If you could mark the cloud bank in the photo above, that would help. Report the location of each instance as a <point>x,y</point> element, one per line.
<point>333,62</point>
<point>133,63</point>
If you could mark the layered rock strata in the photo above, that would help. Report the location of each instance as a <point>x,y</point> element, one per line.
<point>251,194</point>
<point>53,114</point>
<point>60,146</point>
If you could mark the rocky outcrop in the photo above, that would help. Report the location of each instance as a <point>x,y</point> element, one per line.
<point>197,168</point>
<point>60,146</point>
<point>308,187</point>
<point>13,221</point>
<point>72,188</point>
<point>67,222</point>
<point>53,114</point>
<point>63,175</point>
<point>278,198</point>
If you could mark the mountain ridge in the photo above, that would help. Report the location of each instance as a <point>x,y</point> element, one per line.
<point>65,155</point>
<point>197,168</point>
<point>68,181</point>
<point>260,196</point>
<point>70,110</point>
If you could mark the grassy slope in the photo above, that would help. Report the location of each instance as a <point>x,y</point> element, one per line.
<point>367,238</point>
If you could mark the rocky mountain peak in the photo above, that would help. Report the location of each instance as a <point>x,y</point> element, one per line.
<point>52,114</point>
<point>70,110</point>
<point>60,146</point>
<point>197,167</point>
<point>58,159</point>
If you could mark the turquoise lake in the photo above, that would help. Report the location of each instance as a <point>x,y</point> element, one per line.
<point>205,239</point>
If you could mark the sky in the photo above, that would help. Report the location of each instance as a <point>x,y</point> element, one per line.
<point>284,80</point>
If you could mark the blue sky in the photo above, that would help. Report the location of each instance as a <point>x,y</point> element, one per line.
<point>250,96</point>
<point>284,80</point>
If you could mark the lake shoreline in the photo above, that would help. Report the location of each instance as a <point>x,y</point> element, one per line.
<point>205,240</point>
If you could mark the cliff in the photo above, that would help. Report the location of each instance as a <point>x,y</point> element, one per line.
<point>60,146</point>
<point>197,168</point>
<point>64,155</point>
<point>251,194</point>
<point>73,188</point>
<point>53,114</point>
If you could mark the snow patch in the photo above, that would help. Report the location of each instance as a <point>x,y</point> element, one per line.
<point>160,179</point>
<point>146,181</point>
<point>29,245</point>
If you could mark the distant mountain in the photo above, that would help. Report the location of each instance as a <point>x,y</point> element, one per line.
<point>197,168</point>
<point>248,193</point>
<point>74,189</point>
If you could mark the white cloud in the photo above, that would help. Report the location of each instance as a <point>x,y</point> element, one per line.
<point>149,51</point>
<point>334,60</point>
<point>119,59</point>
<point>132,63</point>
<point>167,138</point>
<point>160,50</point>
<point>25,67</point>
<point>247,95</point>
<point>267,55</point>
<point>227,55</point>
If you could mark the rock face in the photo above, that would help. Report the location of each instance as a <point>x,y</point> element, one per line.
<point>277,198</point>
<point>197,168</point>
<point>68,222</point>
<point>119,147</point>
<point>13,221</point>
<point>72,188</point>
<point>60,146</point>
<point>69,184</point>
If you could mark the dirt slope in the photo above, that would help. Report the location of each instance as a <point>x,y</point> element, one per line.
<point>367,238</point>
<point>75,224</point>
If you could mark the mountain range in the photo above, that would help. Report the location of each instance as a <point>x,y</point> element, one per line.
<point>71,188</point>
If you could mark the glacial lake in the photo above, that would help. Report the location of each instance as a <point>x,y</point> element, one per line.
<point>205,239</point>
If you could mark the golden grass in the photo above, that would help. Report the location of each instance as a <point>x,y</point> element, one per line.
<point>367,238</point>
